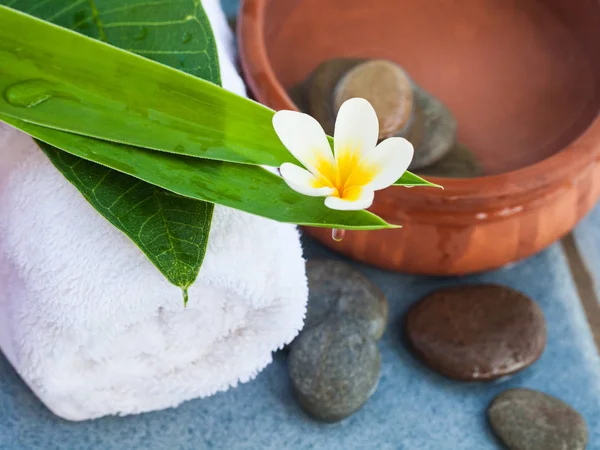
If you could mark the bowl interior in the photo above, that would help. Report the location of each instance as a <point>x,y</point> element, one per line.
<point>522,77</point>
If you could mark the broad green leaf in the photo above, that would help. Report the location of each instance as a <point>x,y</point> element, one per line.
<point>240,186</point>
<point>50,77</point>
<point>171,230</point>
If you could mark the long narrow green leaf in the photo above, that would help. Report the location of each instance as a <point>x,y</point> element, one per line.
<point>409,179</point>
<point>240,186</point>
<point>150,28</point>
<point>59,79</point>
<point>170,229</point>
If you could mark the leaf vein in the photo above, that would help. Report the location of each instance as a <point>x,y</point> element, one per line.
<point>64,10</point>
<point>97,21</point>
<point>38,5</point>
<point>137,5</point>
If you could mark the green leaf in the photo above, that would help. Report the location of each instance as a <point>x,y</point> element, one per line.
<point>60,79</point>
<point>50,78</point>
<point>160,106</point>
<point>171,230</point>
<point>150,28</point>
<point>240,186</point>
<point>411,180</point>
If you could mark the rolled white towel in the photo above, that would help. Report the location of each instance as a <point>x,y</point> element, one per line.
<point>93,327</point>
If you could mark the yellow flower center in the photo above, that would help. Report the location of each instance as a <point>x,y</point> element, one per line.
<point>348,174</point>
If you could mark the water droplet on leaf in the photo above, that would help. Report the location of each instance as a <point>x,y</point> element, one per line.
<point>187,37</point>
<point>29,93</point>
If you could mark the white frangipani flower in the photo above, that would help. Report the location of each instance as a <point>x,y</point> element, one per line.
<point>349,176</point>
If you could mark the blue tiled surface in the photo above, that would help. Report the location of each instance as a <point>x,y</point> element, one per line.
<point>231,7</point>
<point>413,407</point>
<point>587,237</point>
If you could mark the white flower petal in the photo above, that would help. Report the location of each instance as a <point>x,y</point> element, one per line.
<point>388,161</point>
<point>302,181</point>
<point>363,201</point>
<point>356,127</point>
<point>304,137</point>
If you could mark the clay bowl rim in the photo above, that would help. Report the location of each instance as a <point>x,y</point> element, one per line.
<point>563,166</point>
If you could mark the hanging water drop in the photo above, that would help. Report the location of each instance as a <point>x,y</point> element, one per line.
<point>338,234</point>
<point>29,93</point>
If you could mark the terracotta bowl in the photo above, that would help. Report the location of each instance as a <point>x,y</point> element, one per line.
<point>522,78</point>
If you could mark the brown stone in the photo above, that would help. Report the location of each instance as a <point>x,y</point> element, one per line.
<point>479,332</point>
<point>387,87</point>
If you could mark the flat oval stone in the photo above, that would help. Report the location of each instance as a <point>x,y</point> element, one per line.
<point>529,420</point>
<point>336,289</point>
<point>386,86</point>
<point>479,332</point>
<point>433,131</point>
<point>334,369</point>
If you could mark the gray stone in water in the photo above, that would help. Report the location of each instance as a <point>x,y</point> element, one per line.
<point>320,86</point>
<point>297,94</point>
<point>336,289</point>
<point>433,133</point>
<point>460,162</point>
<point>403,108</point>
<point>387,87</point>
<point>529,420</point>
<point>334,369</point>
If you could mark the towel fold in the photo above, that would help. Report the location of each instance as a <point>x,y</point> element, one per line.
<point>95,329</point>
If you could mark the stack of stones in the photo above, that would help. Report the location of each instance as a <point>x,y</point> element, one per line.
<point>403,108</point>
<point>334,364</point>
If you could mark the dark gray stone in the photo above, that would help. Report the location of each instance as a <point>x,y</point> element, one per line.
<point>433,132</point>
<point>334,368</point>
<point>529,420</point>
<point>336,289</point>
<point>320,85</point>
<point>460,162</point>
